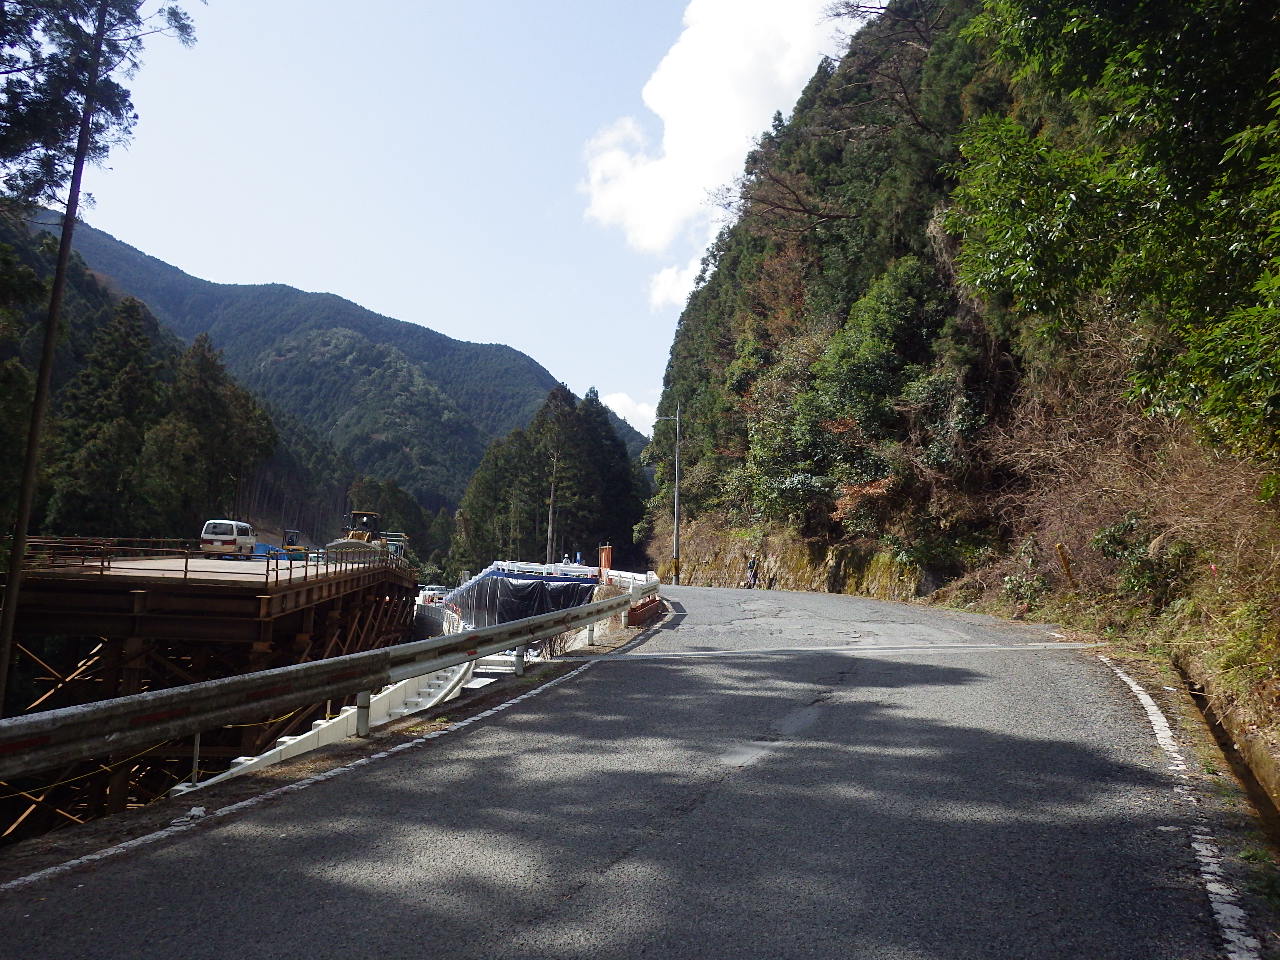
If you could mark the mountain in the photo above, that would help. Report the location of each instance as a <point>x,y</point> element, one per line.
<point>141,436</point>
<point>999,318</point>
<point>400,400</point>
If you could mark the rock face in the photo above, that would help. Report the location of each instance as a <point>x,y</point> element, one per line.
<point>713,556</point>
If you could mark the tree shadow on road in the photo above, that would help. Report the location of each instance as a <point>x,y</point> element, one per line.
<point>808,805</point>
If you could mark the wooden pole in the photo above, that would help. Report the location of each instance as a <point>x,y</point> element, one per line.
<point>1065,559</point>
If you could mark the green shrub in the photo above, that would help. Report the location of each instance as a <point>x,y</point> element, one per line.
<point>1151,563</point>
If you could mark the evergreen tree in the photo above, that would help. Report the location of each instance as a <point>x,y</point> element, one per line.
<point>554,445</point>
<point>173,477</point>
<point>214,435</point>
<point>63,108</point>
<point>45,50</point>
<point>618,494</point>
<point>105,413</point>
<point>20,288</point>
<point>563,486</point>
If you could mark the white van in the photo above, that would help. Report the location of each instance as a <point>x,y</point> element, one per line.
<point>227,536</point>
<point>432,593</point>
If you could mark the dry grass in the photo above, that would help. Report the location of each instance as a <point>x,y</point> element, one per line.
<point>1087,459</point>
<point>1090,457</point>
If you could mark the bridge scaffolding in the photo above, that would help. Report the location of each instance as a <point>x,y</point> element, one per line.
<point>99,620</point>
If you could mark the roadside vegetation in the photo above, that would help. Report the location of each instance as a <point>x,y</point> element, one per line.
<point>1001,303</point>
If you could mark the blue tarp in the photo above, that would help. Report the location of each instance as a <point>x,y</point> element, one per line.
<point>498,599</point>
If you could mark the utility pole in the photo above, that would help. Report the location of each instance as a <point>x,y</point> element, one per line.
<point>551,507</point>
<point>675,531</point>
<point>40,403</point>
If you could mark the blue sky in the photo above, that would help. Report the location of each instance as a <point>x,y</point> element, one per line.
<point>536,174</point>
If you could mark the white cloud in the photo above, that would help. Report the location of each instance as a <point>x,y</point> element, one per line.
<point>639,415</point>
<point>671,286</point>
<point>735,63</point>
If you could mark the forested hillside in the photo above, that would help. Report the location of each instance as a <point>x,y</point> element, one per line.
<point>149,438</point>
<point>393,439</point>
<point>146,438</point>
<point>562,486</point>
<point>399,400</point>
<point>1001,301</point>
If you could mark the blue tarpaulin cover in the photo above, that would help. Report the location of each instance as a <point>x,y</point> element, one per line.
<point>500,599</point>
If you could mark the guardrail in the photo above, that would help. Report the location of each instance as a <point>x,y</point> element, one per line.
<point>392,703</point>
<point>36,742</point>
<point>170,559</point>
<point>622,578</point>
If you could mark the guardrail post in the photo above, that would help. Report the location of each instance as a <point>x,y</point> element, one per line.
<point>520,659</point>
<point>362,712</point>
<point>195,760</point>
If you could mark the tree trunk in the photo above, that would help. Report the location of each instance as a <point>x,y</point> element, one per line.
<point>40,403</point>
<point>551,508</point>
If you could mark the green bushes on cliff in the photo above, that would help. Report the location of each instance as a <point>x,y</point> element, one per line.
<point>1002,297</point>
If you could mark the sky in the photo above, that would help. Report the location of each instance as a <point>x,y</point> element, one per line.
<point>538,174</point>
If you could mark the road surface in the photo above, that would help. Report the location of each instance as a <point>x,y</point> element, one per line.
<point>769,775</point>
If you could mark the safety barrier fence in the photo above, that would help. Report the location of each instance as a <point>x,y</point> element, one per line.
<point>602,574</point>
<point>36,742</point>
<point>622,578</point>
<point>392,703</point>
<point>544,569</point>
<point>181,559</point>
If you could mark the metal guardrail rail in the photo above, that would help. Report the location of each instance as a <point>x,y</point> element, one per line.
<point>37,742</point>
<point>392,703</point>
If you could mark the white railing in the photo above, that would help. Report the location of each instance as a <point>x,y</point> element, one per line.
<point>396,701</point>
<point>624,579</point>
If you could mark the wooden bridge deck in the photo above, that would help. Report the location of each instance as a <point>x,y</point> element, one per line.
<point>94,630</point>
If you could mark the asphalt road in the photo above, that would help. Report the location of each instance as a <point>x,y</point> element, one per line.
<point>770,775</point>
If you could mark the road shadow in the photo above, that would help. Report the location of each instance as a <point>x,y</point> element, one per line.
<point>816,806</point>
<point>677,617</point>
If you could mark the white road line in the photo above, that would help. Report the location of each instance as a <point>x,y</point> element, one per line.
<point>1233,923</point>
<point>861,650</point>
<point>183,824</point>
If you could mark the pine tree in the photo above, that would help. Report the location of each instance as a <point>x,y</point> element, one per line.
<point>105,413</point>
<point>212,437</point>
<point>620,502</point>
<point>563,486</point>
<point>45,48</point>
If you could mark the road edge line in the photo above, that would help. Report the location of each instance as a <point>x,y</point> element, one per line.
<point>1232,921</point>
